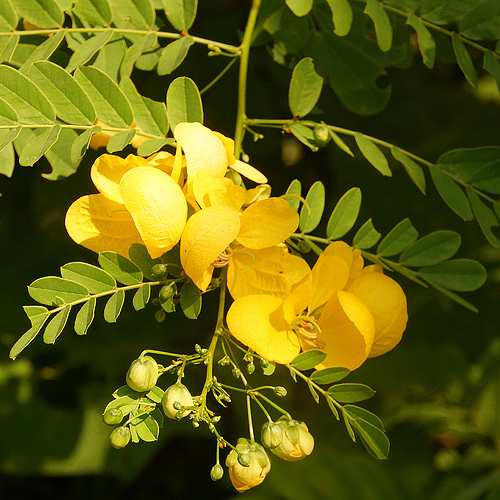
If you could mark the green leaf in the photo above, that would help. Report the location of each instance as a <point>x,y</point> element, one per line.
<point>122,269</point>
<point>35,149</point>
<point>141,297</point>
<point>133,14</point>
<point>304,134</point>
<point>126,403</point>
<point>451,193</point>
<point>7,47</point>
<point>492,65</point>
<point>81,143</point>
<point>85,316</point>
<point>55,291</point>
<point>7,160</point>
<point>486,218</point>
<point>367,236</point>
<point>87,49</point>
<point>350,393</point>
<point>134,52</point>
<point>373,154</point>
<point>482,21</point>
<point>308,359</point>
<point>120,141</point>
<point>461,275</point>
<point>344,215</point>
<point>313,391</point>
<point>432,249</point>
<point>8,135</point>
<point>340,143</point>
<point>35,313</point>
<point>269,369</point>
<point>183,102</point>
<point>341,15</point>
<point>399,238</point>
<point>110,56</point>
<point>8,16</point>
<point>305,87</point>
<point>300,7</point>
<point>413,169</point>
<point>315,248</point>
<point>426,43</point>
<point>149,116</point>
<point>373,439</point>
<point>8,115</point>
<point>70,102</point>
<point>180,13</point>
<point>445,11</point>
<point>140,257</point>
<point>155,394</point>
<point>111,105</point>
<point>25,97</point>
<point>190,300</point>
<point>56,325</point>
<point>95,279</point>
<point>312,210</point>
<point>43,51</point>
<point>113,306</point>
<point>27,337</point>
<point>357,413</point>
<point>173,54</point>
<point>333,409</point>
<point>147,428</point>
<point>408,273</point>
<point>147,148</point>
<point>464,60</point>
<point>382,23</point>
<point>330,375</point>
<point>41,13</point>
<point>479,167</point>
<point>94,12</point>
<point>294,188</point>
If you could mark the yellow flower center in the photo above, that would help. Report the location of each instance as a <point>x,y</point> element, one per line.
<point>307,330</point>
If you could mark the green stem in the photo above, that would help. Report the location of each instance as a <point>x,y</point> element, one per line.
<point>242,78</point>
<point>218,77</point>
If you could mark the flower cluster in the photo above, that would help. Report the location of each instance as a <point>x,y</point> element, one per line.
<point>195,199</point>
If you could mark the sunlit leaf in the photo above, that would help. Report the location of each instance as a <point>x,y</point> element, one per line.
<point>181,13</point>
<point>95,12</point>
<point>464,60</point>
<point>122,269</point>
<point>460,275</point>
<point>56,325</point>
<point>119,141</point>
<point>373,439</point>
<point>85,316</point>
<point>55,291</point>
<point>183,102</point>
<point>304,134</point>
<point>432,249</point>
<point>113,306</point>
<point>130,14</point>
<point>190,300</point>
<point>355,412</point>
<point>95,279</point>
<point>382,23</point>
<point>7,160</point>
<point>42,13</point>
<point>341,15</point>
<point>35,313</point>
<point>173,54</point>
<point>373,154</point>
<point>141,297</point>
<point>81,143</point>
<point>399,238</point>
<point>295,188</point>
<point>426,43</point>
<point>27,337</point>
<point>300,7</point>
<point>413,169</point>
<point>35,149</point>
<point>330,375</point>
<point>87,49</point>
<point>43,51</point>
<point>367,236</point>
<point>344,214</point>
<point>308,359</point>
<point>350,393</point>
<point>305,88</point>
<point>312,210</point>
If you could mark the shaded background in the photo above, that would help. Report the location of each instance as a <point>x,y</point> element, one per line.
<point>438,392</point>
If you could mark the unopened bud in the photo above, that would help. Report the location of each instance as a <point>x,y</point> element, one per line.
<point>142,374</point>
<point>217,472</point>
<point>236,373</point>
<point>160,316</point>
<point>250,368</point>
<point>159,270</point>
<point>297,441</point>
<point>224,361</point>
<point>112,416</point>
<point>321,135</point>
<point>280,391</point>
<point>120,437</point>
<point>271,435</point>
<point>166,292</point>
<point>175,399</point>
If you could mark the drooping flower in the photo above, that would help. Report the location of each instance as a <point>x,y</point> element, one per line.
<point>348,311</point>
<point>297,442</point>
<point>138,203</point>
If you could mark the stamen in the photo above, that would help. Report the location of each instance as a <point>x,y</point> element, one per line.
<point>223,258</point>
<point>308,330</point>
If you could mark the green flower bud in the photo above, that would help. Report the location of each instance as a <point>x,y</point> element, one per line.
<point>159,270</point>
<point>256,466</point>
<point>160,316</point>
<point>120,437</point>
<point>112,416</point>
<point>321,135</point>
<point>297,441</point>
<point>217,472</point>
<point>236,373</point>
<point>166,292</point>
<point>280,391</point>
<point>271,435</point>
<point>142,374</point>
<point>176,395</point>
<point>250,368</point>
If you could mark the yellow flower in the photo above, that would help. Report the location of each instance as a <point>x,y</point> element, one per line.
<point>138,203</point>
<point>347,311</point>
<point>209,232</point>
<point>256,467</point>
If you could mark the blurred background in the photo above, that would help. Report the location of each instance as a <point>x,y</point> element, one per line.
<point>438,392</point>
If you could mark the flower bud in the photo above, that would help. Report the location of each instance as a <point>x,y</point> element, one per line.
<point>250,368</point>
<point>166,292</point>
<point>142,374</point>
<point>280,391</point>
<point>271,435</point>
<point>297,442</point>
<point>120,437</point>
<point>217,472</point>
<point>245,477</point>
<point>112,416</point>
<point>159,270</point>
<point>176,395</point>
<point>321,135</point>
<point>160,316</point>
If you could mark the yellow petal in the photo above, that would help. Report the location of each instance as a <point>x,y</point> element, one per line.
<point>267,223</point>
<point>100,224</point>
<point>257,321</point>
<point>271,271</point>
<point>330,273</point>
<point>249,172</point>
<point>347,331</point>
<point>202,148</point>
<point>100,140</point>
<point>207,233</point>
<point>157,205</point>
<point>162,160</point>
<point>228,144</point>
<point>106,173</point>
<point>262,192</point>
<point>387,302</point>
<point>210,191</point>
